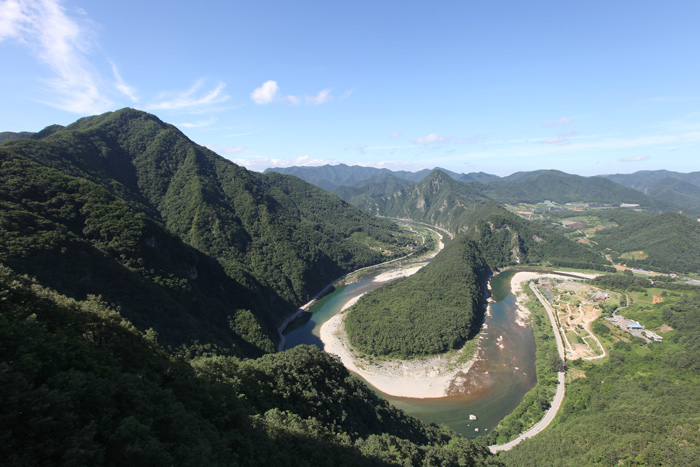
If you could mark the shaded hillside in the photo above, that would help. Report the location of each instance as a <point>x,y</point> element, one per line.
<point>82,240</point>
<point>363,194</point>
<point>437,200</point>
<point>435,310</point>
<point>277,239</point>
<point>503,238</point>
<point>82,387</point>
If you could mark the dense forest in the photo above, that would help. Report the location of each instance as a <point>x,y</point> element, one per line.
<point>82,386</point>
<point>143,277</point>
<point>207,250</point>
<point>670,242</point>
<point>435,310</point>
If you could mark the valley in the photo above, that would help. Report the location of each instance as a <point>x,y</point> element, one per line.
<point>150,284</point>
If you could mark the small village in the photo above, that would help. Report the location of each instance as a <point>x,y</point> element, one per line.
<point>578,305</point>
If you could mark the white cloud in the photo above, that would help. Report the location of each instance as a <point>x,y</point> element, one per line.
<point>62,43</point>
<point>260,163</point>
<point>270,92</point>
<point>193,98</point>
<point>431,138</point>
<point>321,98</point>
<point>266,93</point>
<point>395,135</point>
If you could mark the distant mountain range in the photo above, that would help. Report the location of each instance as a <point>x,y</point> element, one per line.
<point>660,190</point>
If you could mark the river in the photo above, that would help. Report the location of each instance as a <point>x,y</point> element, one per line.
<point>494,386</point>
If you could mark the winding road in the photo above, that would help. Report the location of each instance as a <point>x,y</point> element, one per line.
<point>558,396</point>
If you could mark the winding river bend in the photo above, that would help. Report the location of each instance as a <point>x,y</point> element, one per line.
<point>494,386</point>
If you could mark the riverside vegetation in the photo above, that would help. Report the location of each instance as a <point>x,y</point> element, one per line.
<point>161,270</point>
<point>433,311</point>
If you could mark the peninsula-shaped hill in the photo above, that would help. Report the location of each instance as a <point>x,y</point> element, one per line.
<point>431,312</point>
<point>125,206</point>
<point>502,237</point>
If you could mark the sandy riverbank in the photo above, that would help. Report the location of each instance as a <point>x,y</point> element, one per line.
<point>522,277</point>
<point>423,378</point>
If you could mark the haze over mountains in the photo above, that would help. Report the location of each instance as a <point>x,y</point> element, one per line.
<point>661,190</point>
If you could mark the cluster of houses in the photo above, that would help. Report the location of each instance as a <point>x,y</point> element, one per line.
<point>634,327</point>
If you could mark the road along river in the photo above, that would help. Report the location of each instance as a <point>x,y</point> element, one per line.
<point>496,382</point>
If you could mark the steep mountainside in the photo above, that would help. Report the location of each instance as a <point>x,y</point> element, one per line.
<point>503,238</point>
<point>81,386</point>
<point>128,176</point>
<point>362,194</point>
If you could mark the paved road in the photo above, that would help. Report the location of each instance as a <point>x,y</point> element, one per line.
<point>558,396</point>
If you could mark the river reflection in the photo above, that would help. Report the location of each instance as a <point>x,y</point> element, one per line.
<point>494,386</point>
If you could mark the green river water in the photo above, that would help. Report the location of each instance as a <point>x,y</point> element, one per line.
<point>496,382</point>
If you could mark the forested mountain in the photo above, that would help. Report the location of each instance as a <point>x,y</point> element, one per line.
<point>661,191</point>
<point>123,202</point>
<point>503,238</point>
<point>644,178</point>
<point>543,185</point>
<point>362,193</point>
<point>81,386</point>
<point>330,177</point>
<point>682,189</point>
<point>11,135</point>
<point>433,311</point>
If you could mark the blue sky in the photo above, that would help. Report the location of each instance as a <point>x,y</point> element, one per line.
<point>585,87</point>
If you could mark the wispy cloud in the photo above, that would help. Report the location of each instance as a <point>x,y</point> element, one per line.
<point>62,43</point>
<point>634,159</point>
<point>199,124</point>
<point>470,139</point>
<point>322,97</point>
<point>360,149</point>
<point>395,135</point>
<point>560,122</point>
<point>227,150</point>
<point>429,139</point>
<point>121,85</point>
<point>193,98</point>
